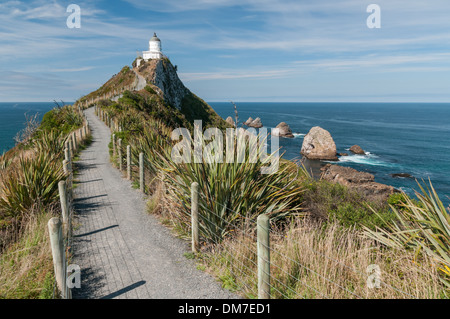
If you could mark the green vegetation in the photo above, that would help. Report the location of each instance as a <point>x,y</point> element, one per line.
<point>26,266</point>
<point>195,108</point>
<point>29,197</point>
<point>332,202</point>
<point>64,119</point>
<point>422,227</point>
<point>231,193</point>
<point>319,237</point>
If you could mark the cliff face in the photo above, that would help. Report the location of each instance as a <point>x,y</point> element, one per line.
<point>163,75</point>
<point>155,87</point>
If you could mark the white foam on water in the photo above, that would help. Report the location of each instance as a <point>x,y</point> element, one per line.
<point>298,135</point>
<point>368,159</point>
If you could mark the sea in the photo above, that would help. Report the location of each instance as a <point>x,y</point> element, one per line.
<point>13,119</point>
<point>411,138</point>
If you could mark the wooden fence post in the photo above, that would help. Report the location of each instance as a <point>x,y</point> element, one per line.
<point>114,144</point>
<point>58,253</point>
<point>128,162</point>
<point>70,147</point>
<point>194,217</point>
<point>120,154</point>
<point>67,152</point>
<point>64,207</point>
<point>263,238</point>
<point>141,173</point>
<point>74,139</point>
<point>68,172</point>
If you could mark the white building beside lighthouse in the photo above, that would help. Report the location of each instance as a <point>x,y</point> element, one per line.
<point>154,51</point>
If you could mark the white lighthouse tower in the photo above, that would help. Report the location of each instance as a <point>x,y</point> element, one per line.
<point>154,49</point>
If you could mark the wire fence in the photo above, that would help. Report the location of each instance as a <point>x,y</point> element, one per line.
<point>60,230</point>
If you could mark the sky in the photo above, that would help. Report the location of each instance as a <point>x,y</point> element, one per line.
<point>232,50</point>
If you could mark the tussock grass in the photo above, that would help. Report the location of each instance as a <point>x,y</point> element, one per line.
<point>318,245</point>
<point>311,261</point>
<point>26,267</point>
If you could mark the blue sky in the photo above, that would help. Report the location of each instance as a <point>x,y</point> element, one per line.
<point>246,50</point>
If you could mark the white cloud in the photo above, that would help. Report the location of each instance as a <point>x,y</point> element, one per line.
<point>81,69</point>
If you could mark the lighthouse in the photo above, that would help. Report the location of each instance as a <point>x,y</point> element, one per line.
<point>154,51</point>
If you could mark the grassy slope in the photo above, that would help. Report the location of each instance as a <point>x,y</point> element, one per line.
<point>26,267</point>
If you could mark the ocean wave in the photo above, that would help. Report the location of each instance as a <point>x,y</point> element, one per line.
<point>368,159</point>
<point>298,135</point>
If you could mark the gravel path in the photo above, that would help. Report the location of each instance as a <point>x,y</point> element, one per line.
<point>123,252</point>
<point>141,82</point>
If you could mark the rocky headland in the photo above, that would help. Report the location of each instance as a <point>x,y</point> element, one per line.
<point>362,182</point>
<point>318,145</point>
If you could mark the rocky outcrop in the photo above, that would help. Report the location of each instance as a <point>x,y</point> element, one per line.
<point>230,121</point>
<point>248,122</point>
<point>282,130</point>
<point>402,175</point>
<point>256,123</point>
<point>161,77</point>
<point>356,149</point>
<point>161,73</point>
<point>363,182</point>
<point>319,145</point>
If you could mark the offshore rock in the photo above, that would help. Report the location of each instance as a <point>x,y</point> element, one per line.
<point>356,149</point>
<point>319,145</point>
<point>230,121</point>
<point>248,122</point>
<point>362,182</point>
<point>256,123</point>
<point>282,130</point>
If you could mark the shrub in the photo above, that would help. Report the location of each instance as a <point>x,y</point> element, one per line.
<point>424,228</point>
<point>35,182</point>
<point>231,193</point>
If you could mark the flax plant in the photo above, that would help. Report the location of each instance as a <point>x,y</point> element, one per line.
<point>34,181</point>
<point>231,192</point>
<point>423,227</point>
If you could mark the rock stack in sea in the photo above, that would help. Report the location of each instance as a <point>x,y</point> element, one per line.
<point>356,149</point>
<point>319,145</point>
<point>282,130</point>
<point>230,121</point>
<point>250,120</point>
<point>256,123</point>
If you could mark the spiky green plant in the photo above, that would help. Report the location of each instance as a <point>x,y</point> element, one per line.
<point>155,143</point>
<point>231,193</point>
<point>35,182</point>
<point>423,226</point>
<point>50,141</point>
